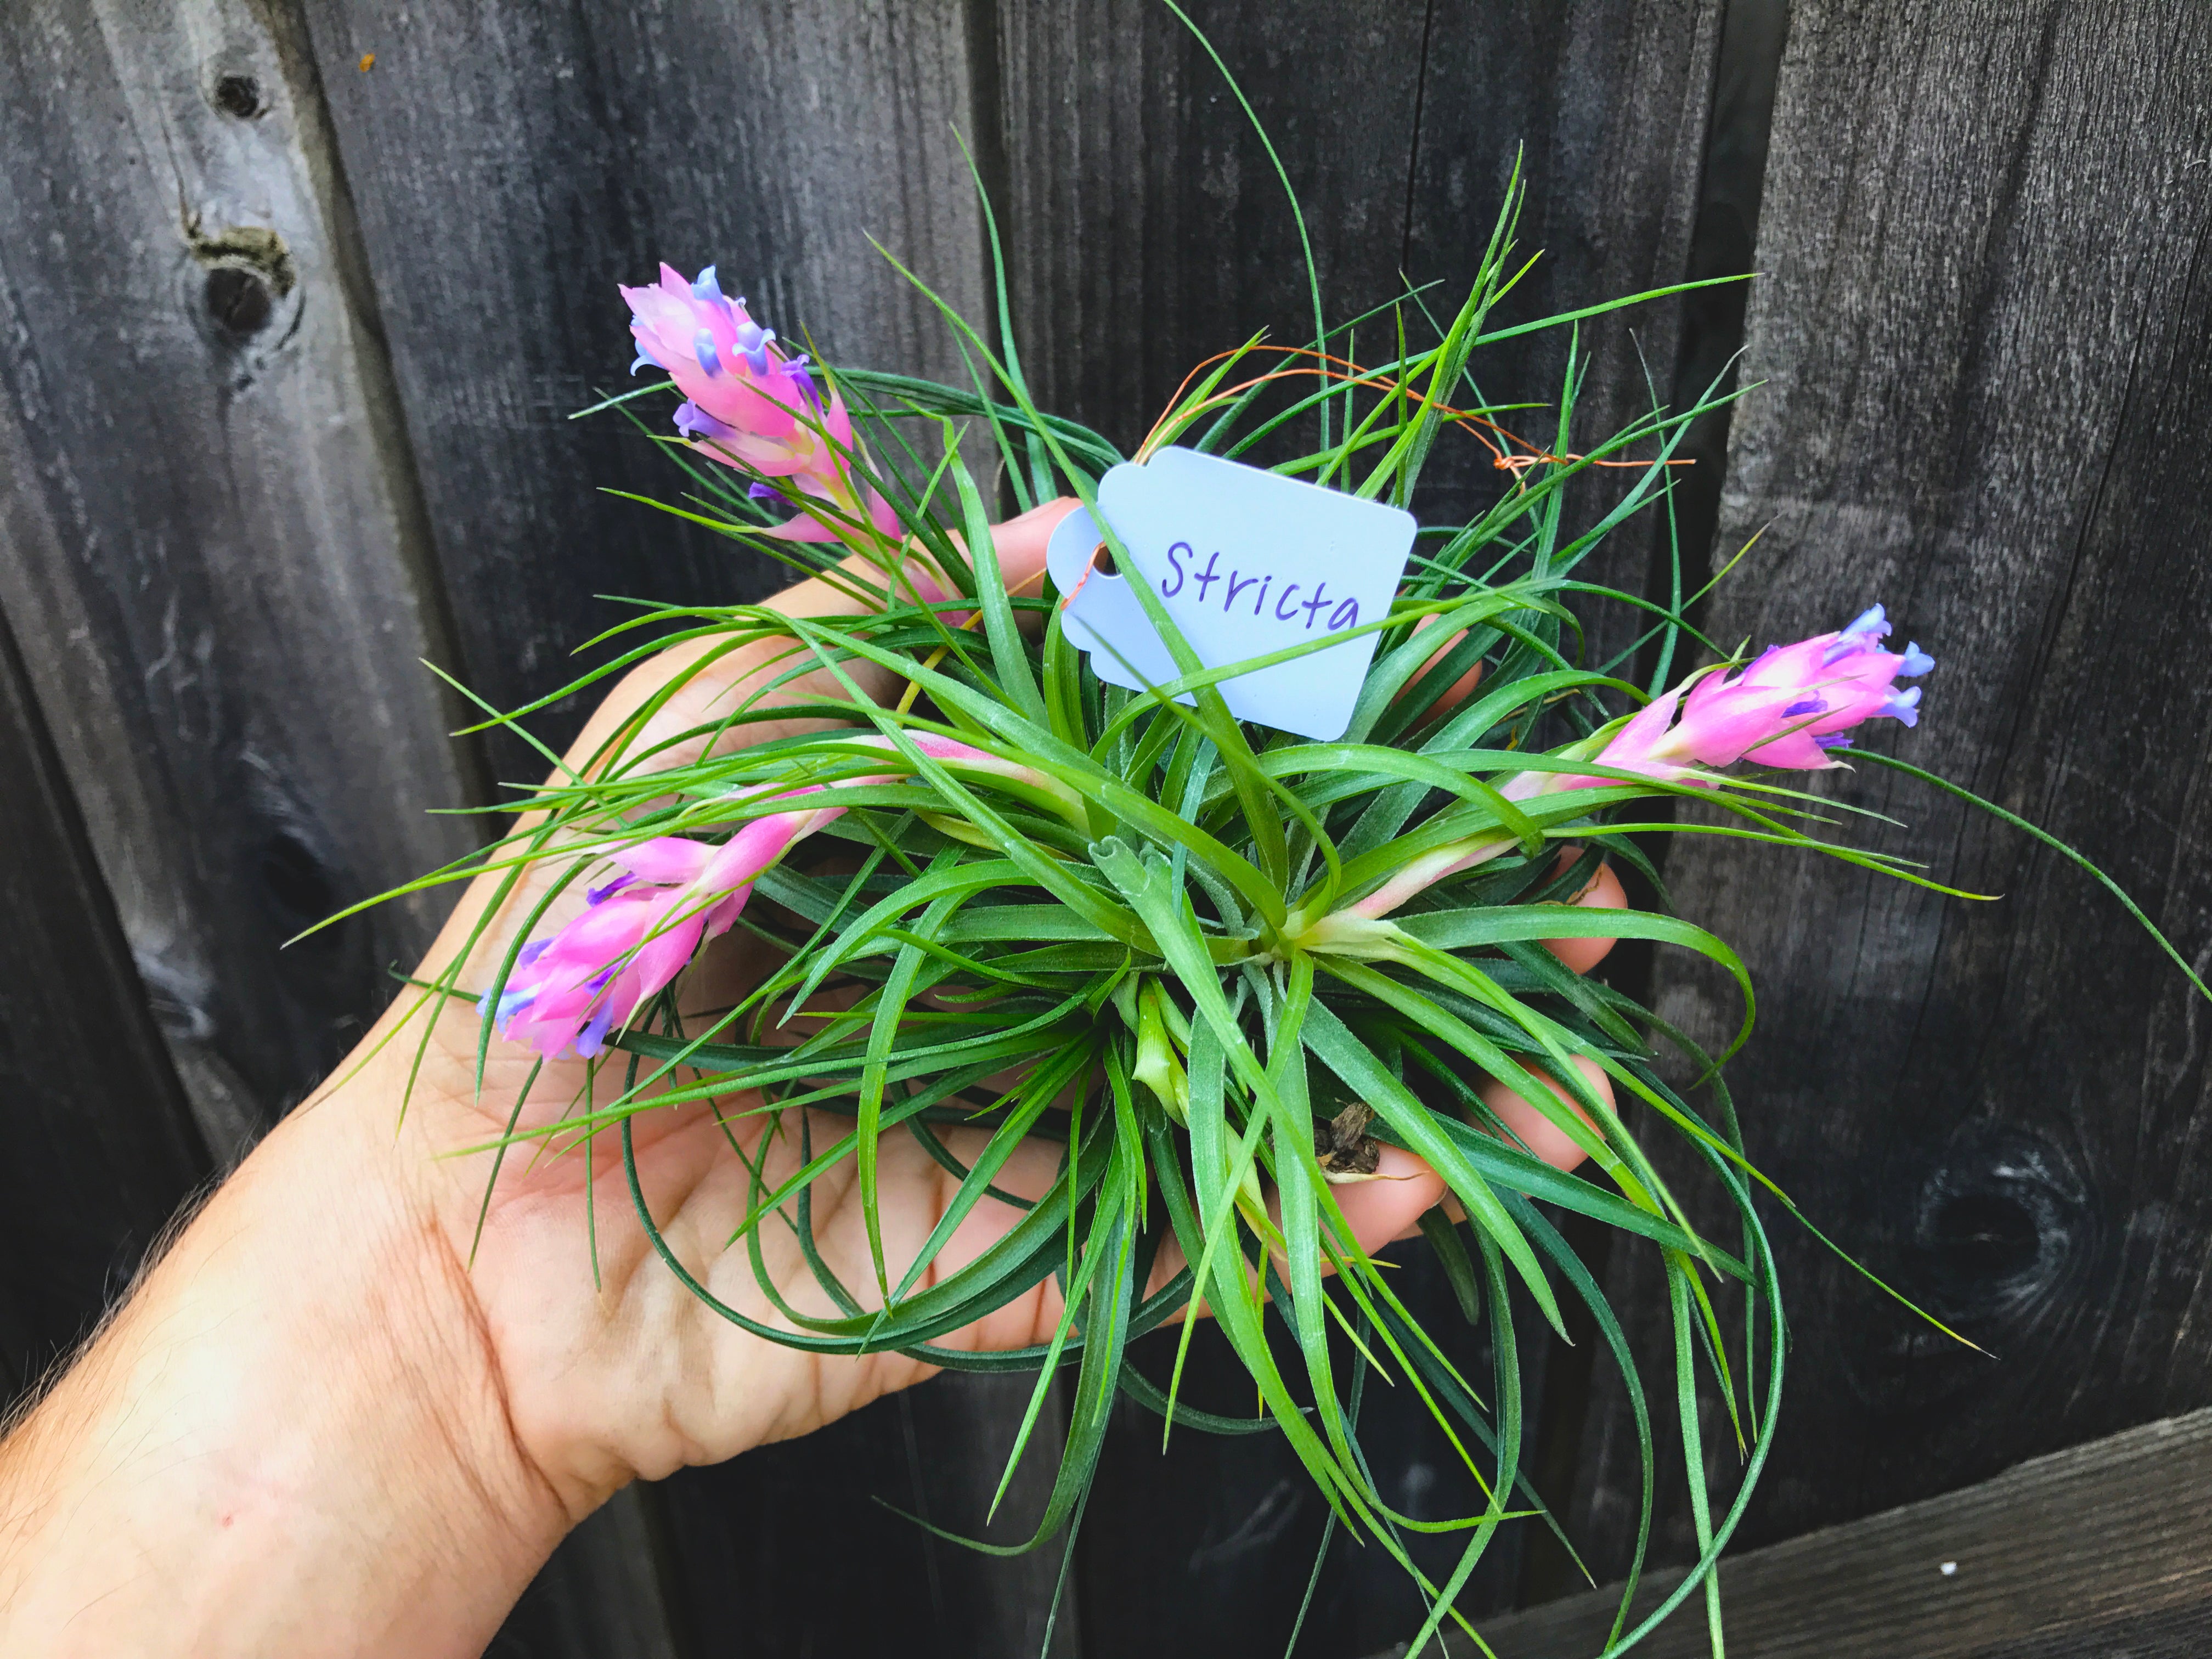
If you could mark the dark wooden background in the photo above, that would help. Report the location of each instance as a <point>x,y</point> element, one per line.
<point>288,338</point>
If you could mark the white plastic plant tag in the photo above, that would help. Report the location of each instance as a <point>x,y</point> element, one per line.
<point>1245,562</point>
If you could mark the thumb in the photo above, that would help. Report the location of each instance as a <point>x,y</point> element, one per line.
<point>1020,543</point>
<point>1390,1205</point>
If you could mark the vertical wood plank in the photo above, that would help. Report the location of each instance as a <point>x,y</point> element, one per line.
<point>808,1546</point>
<point>102,1148</point>
<point>206,559</point>
<point>1208,1546</point>
<point>1146,230</point>
<point>608,1590</point>
<point>215,561</point>
<point>1606,103</point>
<point>1987,346</point>
<point>512,165</point>
<point>1140,209</point>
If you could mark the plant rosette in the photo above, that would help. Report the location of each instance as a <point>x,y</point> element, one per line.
<point>1220,967</point>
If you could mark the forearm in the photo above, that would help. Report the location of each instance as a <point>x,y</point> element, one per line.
<point>291,1440</point>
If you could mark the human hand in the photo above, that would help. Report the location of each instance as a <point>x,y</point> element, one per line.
<point>333,1369</point>
<point>637,1375</point>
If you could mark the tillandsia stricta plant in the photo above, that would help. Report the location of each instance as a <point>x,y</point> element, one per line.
<point>1220,969</point>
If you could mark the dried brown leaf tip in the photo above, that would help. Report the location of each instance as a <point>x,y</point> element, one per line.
<point>1345,1151</point>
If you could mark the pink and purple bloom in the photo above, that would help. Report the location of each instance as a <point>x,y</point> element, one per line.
<point>642,929</point>
<point>670,896</point>
<point>1789,709</point>
<point>752,407</point>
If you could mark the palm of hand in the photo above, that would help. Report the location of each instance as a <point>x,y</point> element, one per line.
<point>636,1375</point>
<point>633,1374</point>
<point>630,1373</point>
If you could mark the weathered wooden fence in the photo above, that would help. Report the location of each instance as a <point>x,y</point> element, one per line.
<point>296,294</point>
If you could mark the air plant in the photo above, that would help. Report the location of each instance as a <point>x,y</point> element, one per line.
<point>1216,964</point>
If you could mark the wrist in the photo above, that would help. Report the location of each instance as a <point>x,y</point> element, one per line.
<point>292,1438</point>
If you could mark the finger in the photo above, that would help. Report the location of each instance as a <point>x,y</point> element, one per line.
<point>719,685</point>
<point>1530,1125</point>
<point>1537,1131</point>
<point>1386,1206</point>
<point>1458,691</point>
<point>710,688</point>
<point>1603,892</point>
<point>1020,544</point>
<point>1390,1206</point>
<point>1379,1210</point>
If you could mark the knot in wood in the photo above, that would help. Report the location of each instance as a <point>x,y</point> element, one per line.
<point>238,95</point>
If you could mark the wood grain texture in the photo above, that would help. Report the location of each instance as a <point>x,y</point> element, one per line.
<point>1988,349</point>
<point>607,1591</point>
<point>212,553</point>
<point>1721,245</point>
<point>1141,208</point>
<point>1985,332</point>
<point>514,164</point>
<point>812,1546</point>
<point>1206,1545</point>
<point>203,541</point>
<point>1145,229</point>
<point>102,1148</point>
<point>1607,106</point>
<point>2095,1553</point>
<point>1223,1532</point>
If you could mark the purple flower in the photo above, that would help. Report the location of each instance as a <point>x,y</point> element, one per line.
<point>639,931</point>
<point>751,407</point>
<point>1789,709</point>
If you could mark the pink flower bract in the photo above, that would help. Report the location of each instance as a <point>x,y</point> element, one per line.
<point>751,406</point>
<point>673,894</point>
<point>1789,709</point>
